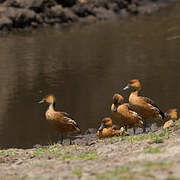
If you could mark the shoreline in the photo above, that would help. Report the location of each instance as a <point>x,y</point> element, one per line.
<point>23,14</point>
<point>154,155</point>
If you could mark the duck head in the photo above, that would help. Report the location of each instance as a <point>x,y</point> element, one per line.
<point>117,100</point>
<point>171,113</point>
<point>105,123</point>
<point>50,99</point>
<point>134,84</point>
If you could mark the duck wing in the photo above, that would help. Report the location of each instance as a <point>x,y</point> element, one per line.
<point>132,111</point>
<point>65,114</point>
<point>138,119</point>
<point>151,102</point>
<point>70,120</point>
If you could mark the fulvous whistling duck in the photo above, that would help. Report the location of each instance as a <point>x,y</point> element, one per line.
<point>61,121</point>
<point>123,113</point>
<point>171,115</point>
<point>107,129</point>
<point>144,106</point>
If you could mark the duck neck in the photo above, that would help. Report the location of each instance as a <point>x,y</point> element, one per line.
<point>133,95</point>
<point>52,107</point>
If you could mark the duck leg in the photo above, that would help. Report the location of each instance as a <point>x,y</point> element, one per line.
<point>70,140</point>
<point>126,127</point>
<point>150,122</point>
<point>134,130</point>
<point>61,139</point>
<point>144,128</point>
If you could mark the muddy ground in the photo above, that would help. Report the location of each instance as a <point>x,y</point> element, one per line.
<point>154,155</point>
<point>28,14</point>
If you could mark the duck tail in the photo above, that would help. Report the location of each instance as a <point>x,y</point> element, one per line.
<point>141,124</point>
<point>78,129</point>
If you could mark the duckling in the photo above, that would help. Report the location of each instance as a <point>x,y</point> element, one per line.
<point>123,114</point>
<point>171,116</point>
<point>61,121</point>
<point>144,106</point>
<point>107,129</point>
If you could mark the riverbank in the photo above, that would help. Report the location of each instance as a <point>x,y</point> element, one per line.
<point>21,14</point>
<point>144,156</point>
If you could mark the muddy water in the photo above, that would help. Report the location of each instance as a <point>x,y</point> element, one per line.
<point>83,65</point>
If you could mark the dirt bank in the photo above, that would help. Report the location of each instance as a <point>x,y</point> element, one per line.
<point>144,156</point>
<point>18,14</point>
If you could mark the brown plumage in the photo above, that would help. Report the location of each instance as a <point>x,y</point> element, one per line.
<point>123,113</point>
<point>144,106</point>
<point>107,129</point>
<point>171,116</point>
<point>61,121</point>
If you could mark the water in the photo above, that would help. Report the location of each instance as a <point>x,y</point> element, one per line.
<point>84,66</point>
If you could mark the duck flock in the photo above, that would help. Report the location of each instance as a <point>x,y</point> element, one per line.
<point>140,112</point>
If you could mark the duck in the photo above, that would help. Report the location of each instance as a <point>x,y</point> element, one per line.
<point>61,121</point>
<point>144,106</point>
<point>124,115</point>
<point>107,129</point>
<point>171,116</point>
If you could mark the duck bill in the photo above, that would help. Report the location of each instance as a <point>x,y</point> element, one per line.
<point>101,127</point>
<point>42,101</point>
<point>115,108</point>
<point>127,87</point>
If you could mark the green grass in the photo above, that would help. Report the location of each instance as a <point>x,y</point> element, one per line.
<point>77,172</point>
<point>152,150</point>
<point>153,137</point>
<point>87,156</point>
<point>140,137</point>
<point>53,150</point>
<point>7,153</point>
<point>119,173</point>
<point>156,164</point>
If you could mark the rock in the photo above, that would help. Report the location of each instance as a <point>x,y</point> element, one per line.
<point>102,3</point>
<point>121,3</point>
<point>55,11</point>
<point>90,131</point>
<point>20,17</point>
<point>83,10</point>
<point>5,23</point>
<point>104,14</point>
<point>132,8</point>
<point>68,15</point>
<point>67,3</point>
<point>36,5</point>
<point>88,20</point>
<point>62,15</point>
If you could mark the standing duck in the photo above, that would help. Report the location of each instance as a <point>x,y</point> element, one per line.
<point>61,121</point>
<point>123,113</point>
<point>107,129</point>
<point>144,106</point>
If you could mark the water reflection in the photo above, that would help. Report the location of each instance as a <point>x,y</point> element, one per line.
<point>83,67</point>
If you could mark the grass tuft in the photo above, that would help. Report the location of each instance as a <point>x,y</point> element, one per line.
<point>77,172</point>
<point>87,156</point>
<point>152,150</point>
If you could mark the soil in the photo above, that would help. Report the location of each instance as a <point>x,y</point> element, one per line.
<point>28,14</point>
<point>154,155</point>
